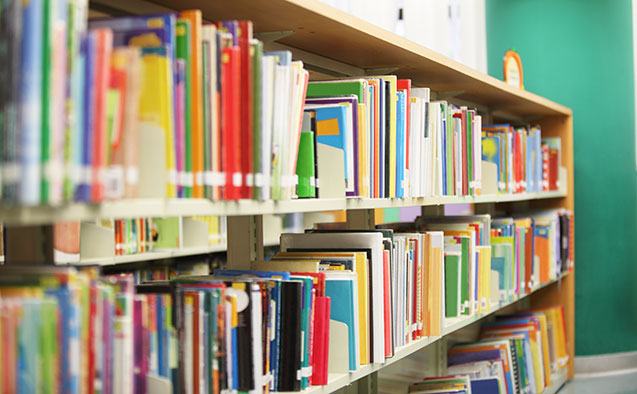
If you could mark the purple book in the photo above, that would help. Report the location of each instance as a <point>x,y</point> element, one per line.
<point>353,100</point>
<point>140,339</point>
<point>469,357</point>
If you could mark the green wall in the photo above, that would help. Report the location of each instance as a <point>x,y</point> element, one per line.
<point>580,53</point>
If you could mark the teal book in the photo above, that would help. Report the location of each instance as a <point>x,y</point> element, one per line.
<point>340,287</point>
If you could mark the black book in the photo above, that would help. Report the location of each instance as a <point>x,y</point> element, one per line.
<point>289,378</point>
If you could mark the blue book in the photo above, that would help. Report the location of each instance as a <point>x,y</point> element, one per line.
<point>341,287</point>
<point>161,25</point>
<point>306,307</point>
<point>497,264</point>
<point>331,130</point>
<point>486,386</point>
<point>83,187</point>
<point>28,346</point>
<point>161,346</point>
<point>26,174</point>
<point>401,140</point>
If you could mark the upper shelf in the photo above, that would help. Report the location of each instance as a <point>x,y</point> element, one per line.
<point>330,33</point>
<point>24,215</point>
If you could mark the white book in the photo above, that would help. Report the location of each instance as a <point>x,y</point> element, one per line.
<point>267,122</point>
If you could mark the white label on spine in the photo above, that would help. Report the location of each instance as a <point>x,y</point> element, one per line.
<point>249,180</point>
<point>258,179</point>
<point>237,180</point>
<point>132,175</point>
<point>199,178</point>
<point>317,182</point>
<point>208,178</point>
<point>172,177</point>
<point>312,181</point>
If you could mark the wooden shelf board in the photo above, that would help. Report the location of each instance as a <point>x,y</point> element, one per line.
<point>338,381</point>
<point>322,30</point>
<point>24,215</point>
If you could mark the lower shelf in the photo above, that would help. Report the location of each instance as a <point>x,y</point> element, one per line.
<point>337,381</point>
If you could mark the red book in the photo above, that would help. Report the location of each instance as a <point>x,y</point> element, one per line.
<point>195,343</point>
<point>100,142</point>
<point>322,341</point>
<point>387,293</point>
<point>545,167</point>
<point>231,143</point>
<point>92,317</point>
<point>245,35</point>
<point>405,85</point>
<point>528,258</point>
<point>553,168</point>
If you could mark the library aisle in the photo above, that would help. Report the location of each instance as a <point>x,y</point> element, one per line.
<point>316,197</point>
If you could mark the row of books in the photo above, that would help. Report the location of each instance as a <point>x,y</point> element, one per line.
<point>86,104</point>
<point>514,354</point>
<point>396,142</point>
<point>133,236</point>
<point>263,329</point>
<point>525,162</point>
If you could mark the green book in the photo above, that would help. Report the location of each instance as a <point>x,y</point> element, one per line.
<point>256,56</point>
<point>452,285</point>
<point>207,116</point>
<point>465,278</point>
<point>183,42</point>
<point>48,345</point>
<point>47,92</point>
<point>470,180</point>
<point>305,166</point>
<point>337,88</point>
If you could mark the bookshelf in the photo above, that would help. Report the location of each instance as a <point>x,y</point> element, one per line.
<point>332,43</point>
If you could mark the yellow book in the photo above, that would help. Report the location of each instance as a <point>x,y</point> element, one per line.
<point>156,107</point>
<point>362,278</point>
<point>363,151</point>
<point>545,348</point>
<point>311,266</point>
<point>436,266</point>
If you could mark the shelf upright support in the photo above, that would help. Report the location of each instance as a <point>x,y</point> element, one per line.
<point>361,219</point>
<point>368,384</point>
<point>432,210</point>
<point>245,240</point>
<point>31,245</point>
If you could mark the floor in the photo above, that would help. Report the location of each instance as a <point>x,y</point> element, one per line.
<point>610,383</point>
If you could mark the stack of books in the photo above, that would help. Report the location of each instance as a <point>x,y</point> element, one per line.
<point>515,353</point>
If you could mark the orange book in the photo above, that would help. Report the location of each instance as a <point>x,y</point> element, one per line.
<point>543,252</point>
<point>196,75</point>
